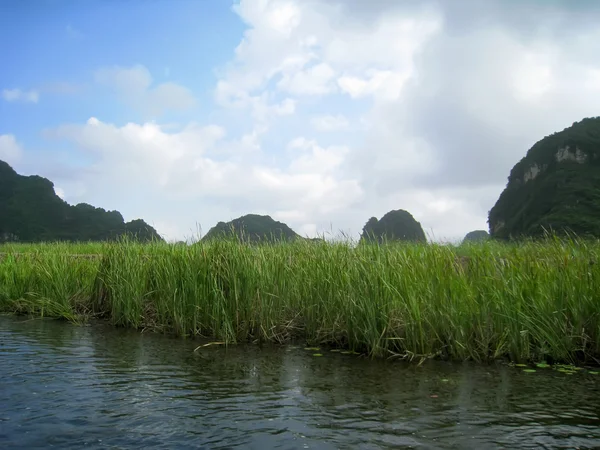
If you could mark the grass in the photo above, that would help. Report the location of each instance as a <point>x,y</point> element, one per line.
<point>536,301</point>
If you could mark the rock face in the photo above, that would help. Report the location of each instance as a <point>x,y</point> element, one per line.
<point>396,225</point>
<point>477,236</point>
<point>555,187</point>
<point>252,228</point>
<point>30,211</point>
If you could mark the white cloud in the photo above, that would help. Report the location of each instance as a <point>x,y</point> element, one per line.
<point>13,95</point>
<point>381,84</point>
<point>534,74</point>
<point>263,108</point>
<point>449,96</point>
<point>315,80</point>
<point>310,157</point>
<point>330,123</point>
<point>297,46</point>
<point>10,150</point>
<point>158,167</point>
<point>134,84</point>
<point>452,104</point>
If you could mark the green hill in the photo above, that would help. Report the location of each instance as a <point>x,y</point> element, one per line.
<point>253,228</point>
<point>476,236</point>
<point>555,187</point>
<point>396,225</point>
<point>30,211</point>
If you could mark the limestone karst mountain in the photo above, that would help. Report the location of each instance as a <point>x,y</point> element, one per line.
<point>253,228</point>
<point>476,236</point>
<point>30,211</point>
<point>555,187</point>
<point>396,225</point>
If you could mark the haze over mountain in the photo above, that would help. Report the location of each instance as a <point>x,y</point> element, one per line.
<point>318,113</point>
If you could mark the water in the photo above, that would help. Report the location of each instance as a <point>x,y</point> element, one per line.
<point>93,386</point>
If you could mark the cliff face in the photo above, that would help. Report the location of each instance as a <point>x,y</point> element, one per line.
<point>555,187</point>
<point>30,211</point>
<point>396,225</point>
<point>253,228</point>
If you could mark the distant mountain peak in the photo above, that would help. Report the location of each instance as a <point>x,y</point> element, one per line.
<point>395,225</point>
<point>30,211</point>
<point>253,228</point>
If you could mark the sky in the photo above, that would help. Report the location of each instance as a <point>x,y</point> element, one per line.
<point>319,113</point>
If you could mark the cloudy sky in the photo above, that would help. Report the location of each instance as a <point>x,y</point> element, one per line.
<point>320,113</point>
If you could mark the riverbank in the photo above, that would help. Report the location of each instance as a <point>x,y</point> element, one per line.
<point>528,302</point>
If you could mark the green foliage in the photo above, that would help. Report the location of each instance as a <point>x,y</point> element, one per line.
<point>563,198</point>
<point>51,283</point>
<point>30,211</point>
<point>397,225</point>
<point>252,228</point>
<point>538,301</point>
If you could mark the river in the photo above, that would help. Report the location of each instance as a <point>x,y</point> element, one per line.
<point>94,386</point>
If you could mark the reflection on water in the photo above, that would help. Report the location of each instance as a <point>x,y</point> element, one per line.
<point>65,386</point>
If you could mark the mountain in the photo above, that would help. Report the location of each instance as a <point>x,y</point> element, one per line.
<point>396,225</point>
<point>253,228</point>
<point>555,187</point>
<point>476,236</point>
<point>30,211</point>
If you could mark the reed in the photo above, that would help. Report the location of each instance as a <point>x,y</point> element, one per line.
<point>531,301</point>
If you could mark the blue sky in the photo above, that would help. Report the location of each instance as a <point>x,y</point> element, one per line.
<point>318,113</point>
<point>55,48</point>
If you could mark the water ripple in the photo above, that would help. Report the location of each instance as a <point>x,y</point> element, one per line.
<point>65,386</point>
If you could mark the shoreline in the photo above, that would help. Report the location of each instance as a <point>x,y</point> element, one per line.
<point>533,302</point>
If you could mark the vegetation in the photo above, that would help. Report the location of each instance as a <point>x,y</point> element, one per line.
<point>555,187</point>
<point>476,236</point>
<point>252,228</point>
<point>30,211</point>
<point>535,301</point>
<point>397,225</point>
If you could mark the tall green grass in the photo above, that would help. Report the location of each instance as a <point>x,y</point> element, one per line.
<point>532,301</point>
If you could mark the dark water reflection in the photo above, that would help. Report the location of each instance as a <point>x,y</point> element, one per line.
<point>63,386</point>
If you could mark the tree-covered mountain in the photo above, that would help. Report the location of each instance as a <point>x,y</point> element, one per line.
<point>476,236</point>
<point>555,187</point>
<point>253,228</point>
<point>396,225</point>
<point>30,211</point>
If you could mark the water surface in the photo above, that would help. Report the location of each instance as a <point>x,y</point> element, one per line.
<point>93,386</point>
